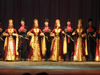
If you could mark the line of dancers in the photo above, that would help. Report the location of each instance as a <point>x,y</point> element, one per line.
<point>50,45</point>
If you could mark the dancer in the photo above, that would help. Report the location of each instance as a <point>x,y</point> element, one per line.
<point>47,31</point>
<point>97,34</point>
<point>1,40</point>
<point>11,43</point>
<point>91,41</point>
<point>80,50</point>
<point>56,46</point>
<point>36,49</point>
<point>69,42</point>
<point>23,40</point>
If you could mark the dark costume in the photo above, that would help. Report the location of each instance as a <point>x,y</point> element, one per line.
<point>23,42</point>
<point>47,31</point>
<point>1,42</point>
<point>91,42</point>
<point>70,42</point>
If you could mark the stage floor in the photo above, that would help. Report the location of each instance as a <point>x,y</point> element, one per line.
<point>52,68</point>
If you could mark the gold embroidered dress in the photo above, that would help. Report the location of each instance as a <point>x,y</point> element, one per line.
<point>35,51</point>
<point>56,46</point>
<point>11,45</point>
<point>80,50</point>
<point>97,54</point>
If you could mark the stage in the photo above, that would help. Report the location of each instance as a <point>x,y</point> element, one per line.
<point>52,68</point>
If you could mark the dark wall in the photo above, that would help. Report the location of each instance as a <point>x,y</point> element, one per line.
<point>52,9</point>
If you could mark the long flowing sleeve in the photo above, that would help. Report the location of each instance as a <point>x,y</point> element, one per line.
<point>52,39</point>
<point>5,43</point>
<point>17,40</point>
<point>86,50</point>
<point>43,43</point>
<point>64,44</point>
<point>32,37</point>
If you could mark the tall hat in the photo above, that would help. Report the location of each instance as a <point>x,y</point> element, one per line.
<point>10,21</point>
<point>46,20</point>
<point>57,21</point>
<point>80,21</point>
<point>90,19</point>
<point>35,21</point>
<point>23,19</point>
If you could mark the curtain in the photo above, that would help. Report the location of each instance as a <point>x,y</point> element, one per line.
<point>51,9</point>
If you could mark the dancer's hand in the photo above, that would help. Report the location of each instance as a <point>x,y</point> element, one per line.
<point>94,35</point>
<point>14,34</point>
<point>41,34</point>
<point>82,35</point>
<point>73,33</point>
<point>63,32</point>
<point>6,34</point>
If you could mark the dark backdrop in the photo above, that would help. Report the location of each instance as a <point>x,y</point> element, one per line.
<point>52,9</point>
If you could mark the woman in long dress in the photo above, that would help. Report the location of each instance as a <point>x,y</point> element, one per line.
<point>80,50</point>
<point>36,48</point>
<point>56,46</point>
<point>97,34</point>
<point>11,43</point>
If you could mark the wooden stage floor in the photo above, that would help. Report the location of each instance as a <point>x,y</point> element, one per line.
<point>52,68</point>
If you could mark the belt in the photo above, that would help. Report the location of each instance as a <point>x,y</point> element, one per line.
<point>10,36</point>
<point>36,36</point>
<point>57,35</point>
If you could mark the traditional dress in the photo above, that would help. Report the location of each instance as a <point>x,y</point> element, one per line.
<point>47,31</point>
<point>11,45</point>
<point>56,46</point>
<point>80,48</point>
<point>35,50</point>
<point>97,55</point>
<point>69,43</point>
<point>23,42</point>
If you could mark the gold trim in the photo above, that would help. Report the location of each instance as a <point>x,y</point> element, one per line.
<point>86,50</point>
<point>65,45</point>
<point>43,45</point>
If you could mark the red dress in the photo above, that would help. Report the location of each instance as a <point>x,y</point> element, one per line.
<point>35,50</point>
<point>56,46</point>
<point>97,55</point>
<point>80,52</point>
<point>11,45</point>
